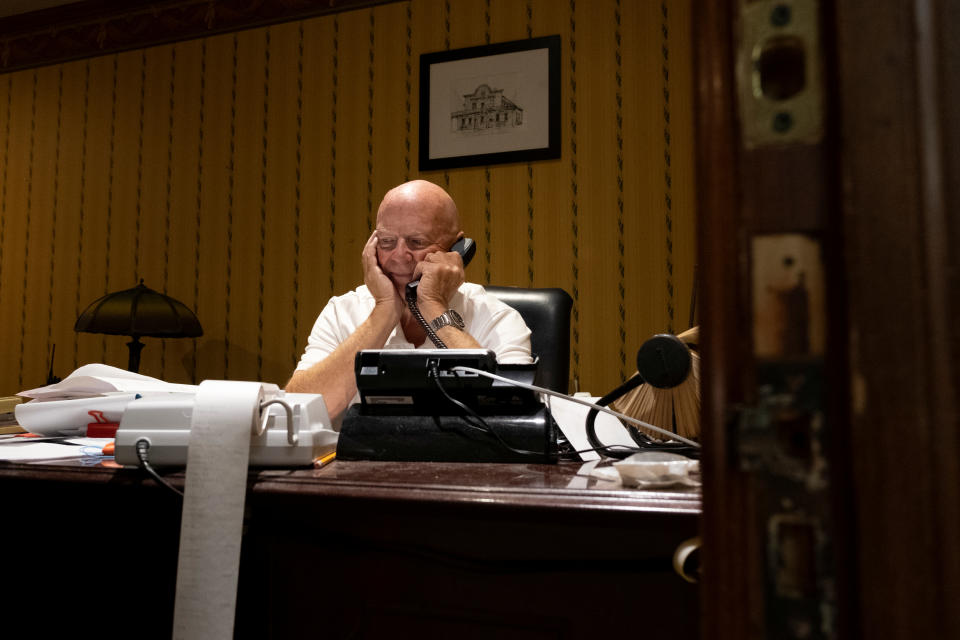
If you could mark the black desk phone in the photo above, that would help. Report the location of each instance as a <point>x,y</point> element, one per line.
<point>466,247</point>
<point>406,414</point>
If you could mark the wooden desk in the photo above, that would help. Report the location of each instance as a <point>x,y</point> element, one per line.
<point>361,550</point>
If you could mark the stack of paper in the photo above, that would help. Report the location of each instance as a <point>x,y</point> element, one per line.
<point>94,393</point>
<point>24,449</point>
<point>8,423</point>
<point>100,379</point>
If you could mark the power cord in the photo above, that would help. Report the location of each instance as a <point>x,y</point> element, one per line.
<point>550,392</point>
<point>486,428</point>
<point>569,455</point>
<point>143,453</point>
<point>644,442</point>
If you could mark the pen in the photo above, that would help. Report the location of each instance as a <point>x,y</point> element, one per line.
<point>323,460</point>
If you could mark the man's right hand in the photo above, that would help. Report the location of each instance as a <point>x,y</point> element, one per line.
<point>380,286</point>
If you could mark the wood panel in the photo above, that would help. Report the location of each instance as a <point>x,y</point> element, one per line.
<point>597,234</point>
<point>181,270</point>
<point>550,233</point>
<point>391,106</point>
<point>215,141</point>
<point>278,206</point>
<point>899,199</point>
<point>97,104</point>
<point>145,111</point>
<point>244,314</point>
<point>643,172</point>
<point>66,211</point>
<point>508,199</point>
<point>317,178</point>
<point>682,184</point>
<point>37,222</point>
<point>241,173</point>
<point>355,209</point>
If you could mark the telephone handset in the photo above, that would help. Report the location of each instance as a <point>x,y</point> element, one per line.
<point>466,247</point>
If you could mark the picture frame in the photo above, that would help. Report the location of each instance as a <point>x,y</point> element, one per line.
<point>490,104</point>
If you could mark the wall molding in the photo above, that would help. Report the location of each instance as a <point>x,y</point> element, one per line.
<point>98,27</point>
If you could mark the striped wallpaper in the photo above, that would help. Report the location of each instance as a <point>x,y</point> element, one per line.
<point>241,174</point>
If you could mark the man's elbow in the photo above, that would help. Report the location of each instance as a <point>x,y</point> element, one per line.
<point>296,383</point>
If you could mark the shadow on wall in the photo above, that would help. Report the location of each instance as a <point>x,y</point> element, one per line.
<point>216,360</point>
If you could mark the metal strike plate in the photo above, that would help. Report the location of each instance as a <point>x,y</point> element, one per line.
<point>799,589</point>
<point>789,296</point>
<point>779,73</point>
<point>783,436</point>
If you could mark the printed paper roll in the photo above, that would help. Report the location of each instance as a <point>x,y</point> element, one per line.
<point>224,415</point>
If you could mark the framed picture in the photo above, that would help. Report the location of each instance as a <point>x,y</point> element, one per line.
<point>491,104</point>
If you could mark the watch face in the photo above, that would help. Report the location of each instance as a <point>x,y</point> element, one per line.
<point>450,317</point>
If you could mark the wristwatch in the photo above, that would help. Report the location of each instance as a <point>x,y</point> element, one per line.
<point>449,317</point>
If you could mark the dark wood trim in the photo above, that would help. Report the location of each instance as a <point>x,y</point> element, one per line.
<point>97,27</point>
<point>364,549</point>
<point>746,193</point>
<point>898,80</point>
<point>731,588</point>
<point>472,486</point>
<point>883,202</point>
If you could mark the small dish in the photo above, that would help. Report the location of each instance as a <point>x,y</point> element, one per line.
<point>657,469</point>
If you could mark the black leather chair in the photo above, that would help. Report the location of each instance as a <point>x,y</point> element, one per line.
<point>547,313</point>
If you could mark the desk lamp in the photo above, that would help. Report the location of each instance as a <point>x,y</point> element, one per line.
<point>137,312</point>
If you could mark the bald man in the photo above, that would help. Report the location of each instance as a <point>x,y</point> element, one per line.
<point>417,223</point>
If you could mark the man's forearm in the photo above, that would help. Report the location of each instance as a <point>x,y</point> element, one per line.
<point>452,337</point>
<point>456,339</point>
<point>334,376</point>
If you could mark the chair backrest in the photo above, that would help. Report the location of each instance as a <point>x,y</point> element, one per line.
<point>547,313</point>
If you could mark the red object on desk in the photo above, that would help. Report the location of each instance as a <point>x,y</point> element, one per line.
<point>102,428</point>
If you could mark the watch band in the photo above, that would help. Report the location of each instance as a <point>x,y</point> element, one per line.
<point>448,318</point>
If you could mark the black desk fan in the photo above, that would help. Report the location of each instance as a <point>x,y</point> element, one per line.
<point>671,371</point>
<point>669,366</point>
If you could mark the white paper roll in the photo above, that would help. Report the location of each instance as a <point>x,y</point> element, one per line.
<point>224,416</point>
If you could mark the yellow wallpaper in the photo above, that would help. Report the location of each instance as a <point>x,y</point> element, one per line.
<point>240,174</point>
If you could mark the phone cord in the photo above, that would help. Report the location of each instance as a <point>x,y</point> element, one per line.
<point>434,338</point>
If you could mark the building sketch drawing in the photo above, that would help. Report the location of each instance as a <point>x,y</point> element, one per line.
<point>485,111</point>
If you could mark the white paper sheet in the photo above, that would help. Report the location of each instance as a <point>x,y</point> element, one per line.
<point>71,417</point>
<point>213,499</point>
<point>24,450</point>
<point>99,379</point>
<point>571,417</point>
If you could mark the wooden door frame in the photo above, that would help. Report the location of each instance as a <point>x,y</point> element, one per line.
<point>728,593</point>
<point>893,89</point>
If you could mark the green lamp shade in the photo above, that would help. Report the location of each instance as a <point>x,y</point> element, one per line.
<point>137,312</point>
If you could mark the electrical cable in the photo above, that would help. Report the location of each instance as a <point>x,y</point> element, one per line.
<point>143,449</point>
<point>602,448</point>
<point>435,370</point>
<point>591,427</point>
<point>644,442</point>
<point>493,376</point>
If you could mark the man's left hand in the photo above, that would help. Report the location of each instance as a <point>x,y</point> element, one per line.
<point>441,274</point>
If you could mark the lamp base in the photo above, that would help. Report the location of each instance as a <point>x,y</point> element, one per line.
<point>135,346</point>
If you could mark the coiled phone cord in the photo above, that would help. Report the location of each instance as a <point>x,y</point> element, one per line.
<point>412,303</point>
